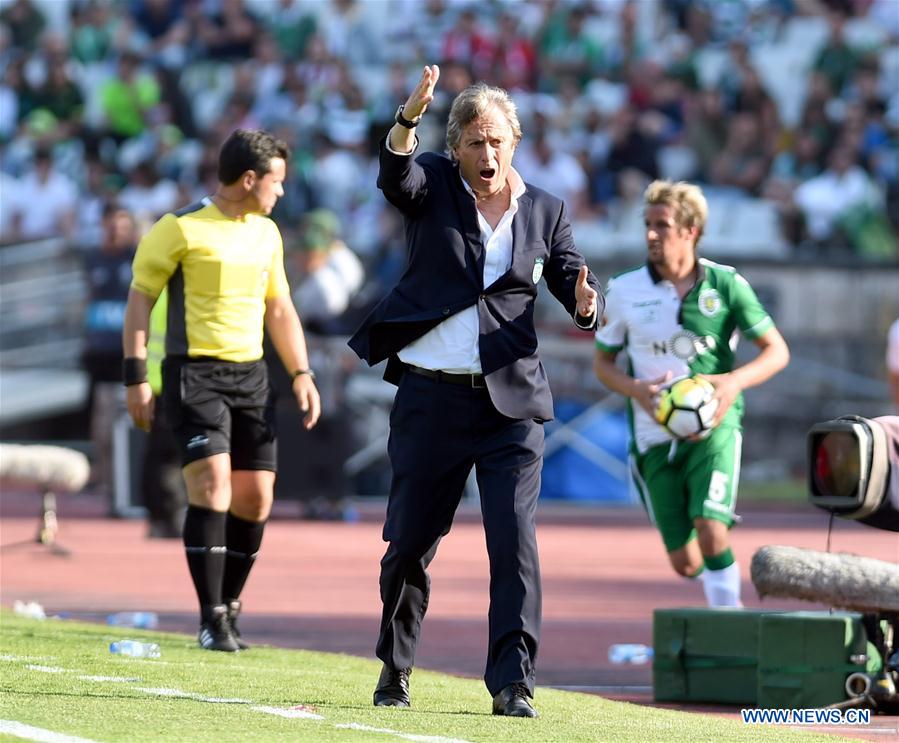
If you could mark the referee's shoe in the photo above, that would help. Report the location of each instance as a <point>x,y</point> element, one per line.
<point>215,630</point>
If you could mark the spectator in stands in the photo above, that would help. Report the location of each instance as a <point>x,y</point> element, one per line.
<point>108,273</point>
<point>428,22</point>
<point>128,98</point>
<point>350,31</point>
<point>837,60</point>
<point>62,97</point>
<point>25,22</point>
<point>706,124</point>
<point>92,32</point>
<point>752,97</point>
<point>328,273</point>
<point>633,147</point>
<point>822,200</point>
<point>15,98</point>
<point>567,48</point>
<point>162,24</point>
<point>327,276</point>
<point>743,163</point>
<point>228,33</point>
<point>467,43</point>
<point>551,168</point>
<point>46,201</point>
<point>791,167</point>
<point>292,26</point>
<point>513,59</point>
<point>147,195</point>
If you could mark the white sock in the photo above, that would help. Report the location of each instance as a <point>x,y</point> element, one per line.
<point>722,587</point>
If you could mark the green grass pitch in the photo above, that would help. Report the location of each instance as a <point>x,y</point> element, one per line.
<point>58,675</point>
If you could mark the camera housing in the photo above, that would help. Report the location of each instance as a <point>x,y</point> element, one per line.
<point>853,466</point>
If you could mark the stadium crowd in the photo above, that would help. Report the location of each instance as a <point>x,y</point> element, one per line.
<point>789,106</point>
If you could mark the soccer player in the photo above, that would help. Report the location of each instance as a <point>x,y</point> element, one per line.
<point>675,315</point>
<point>222,260</point>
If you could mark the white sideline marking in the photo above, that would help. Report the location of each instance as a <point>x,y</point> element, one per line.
<point>164,692</point>
<point>21,730</point>
<point>116,679</point>
<point>398,734</point>
<point>48,736</point>
<point>281,712</point>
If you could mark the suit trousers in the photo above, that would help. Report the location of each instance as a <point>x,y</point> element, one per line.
<point>438,431</point>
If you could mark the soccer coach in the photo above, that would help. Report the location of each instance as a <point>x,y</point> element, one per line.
<point>458,335</point>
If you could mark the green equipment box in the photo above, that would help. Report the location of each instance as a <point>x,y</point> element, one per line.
<point>805,657</point>
<point>705,655</point>
<point>773,659</point>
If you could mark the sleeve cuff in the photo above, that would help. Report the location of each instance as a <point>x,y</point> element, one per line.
<point>400,154</point>
<point>585,323</point>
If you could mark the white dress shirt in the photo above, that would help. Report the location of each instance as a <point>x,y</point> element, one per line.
<point>452,346</point>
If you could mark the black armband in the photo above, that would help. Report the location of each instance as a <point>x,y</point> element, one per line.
<point>134,371</point>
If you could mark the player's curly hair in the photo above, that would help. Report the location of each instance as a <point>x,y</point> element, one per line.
<point>686,199</point>
<point>474,102</point>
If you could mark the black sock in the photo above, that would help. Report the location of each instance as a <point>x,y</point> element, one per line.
<point>243,539</point>
<point>204,543</point>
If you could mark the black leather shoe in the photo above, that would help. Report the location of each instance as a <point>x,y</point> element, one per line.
<point>513,702</point>
<point>393,687</point>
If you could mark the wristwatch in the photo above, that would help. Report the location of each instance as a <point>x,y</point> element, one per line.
<point>300,372</point>
<point>403,121</point>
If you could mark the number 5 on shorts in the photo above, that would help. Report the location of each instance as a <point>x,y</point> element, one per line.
<point>718,486</point>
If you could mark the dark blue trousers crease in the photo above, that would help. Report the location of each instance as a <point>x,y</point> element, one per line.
<point>438,431</point>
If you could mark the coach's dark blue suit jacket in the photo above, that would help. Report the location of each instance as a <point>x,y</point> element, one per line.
<point>445,275</point>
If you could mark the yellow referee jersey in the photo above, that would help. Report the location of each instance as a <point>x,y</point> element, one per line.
<point>219,271</point>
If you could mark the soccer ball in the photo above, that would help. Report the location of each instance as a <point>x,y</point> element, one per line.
<point>686,408</point>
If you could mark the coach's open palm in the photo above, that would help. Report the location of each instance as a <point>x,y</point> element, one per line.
<point>423,94</point>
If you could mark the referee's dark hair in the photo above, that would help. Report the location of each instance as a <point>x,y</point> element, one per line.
<point>249,149</point>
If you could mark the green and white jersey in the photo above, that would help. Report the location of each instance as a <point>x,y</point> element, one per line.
<point>661,333</point>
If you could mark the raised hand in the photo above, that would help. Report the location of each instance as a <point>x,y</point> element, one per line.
<point>585,295</point>
<point>423,94</point>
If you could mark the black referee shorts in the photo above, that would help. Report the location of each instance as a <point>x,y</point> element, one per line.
<point>221,407</point>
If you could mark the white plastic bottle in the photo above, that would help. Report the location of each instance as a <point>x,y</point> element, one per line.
<point>136,619</point>
<point>634,653</point>
<point>134,648</point>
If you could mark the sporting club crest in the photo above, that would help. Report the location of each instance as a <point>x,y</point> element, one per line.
<point>538,270</point>
<point>709,302</point>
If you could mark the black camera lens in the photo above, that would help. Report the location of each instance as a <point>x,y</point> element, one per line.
<point>837,466</point>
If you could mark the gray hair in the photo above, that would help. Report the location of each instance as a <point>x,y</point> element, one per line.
<point>471,104</point>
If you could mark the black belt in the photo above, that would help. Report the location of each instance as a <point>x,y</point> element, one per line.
<point>465,380</point>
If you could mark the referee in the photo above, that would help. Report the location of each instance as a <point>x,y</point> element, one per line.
<point>223,262</point>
